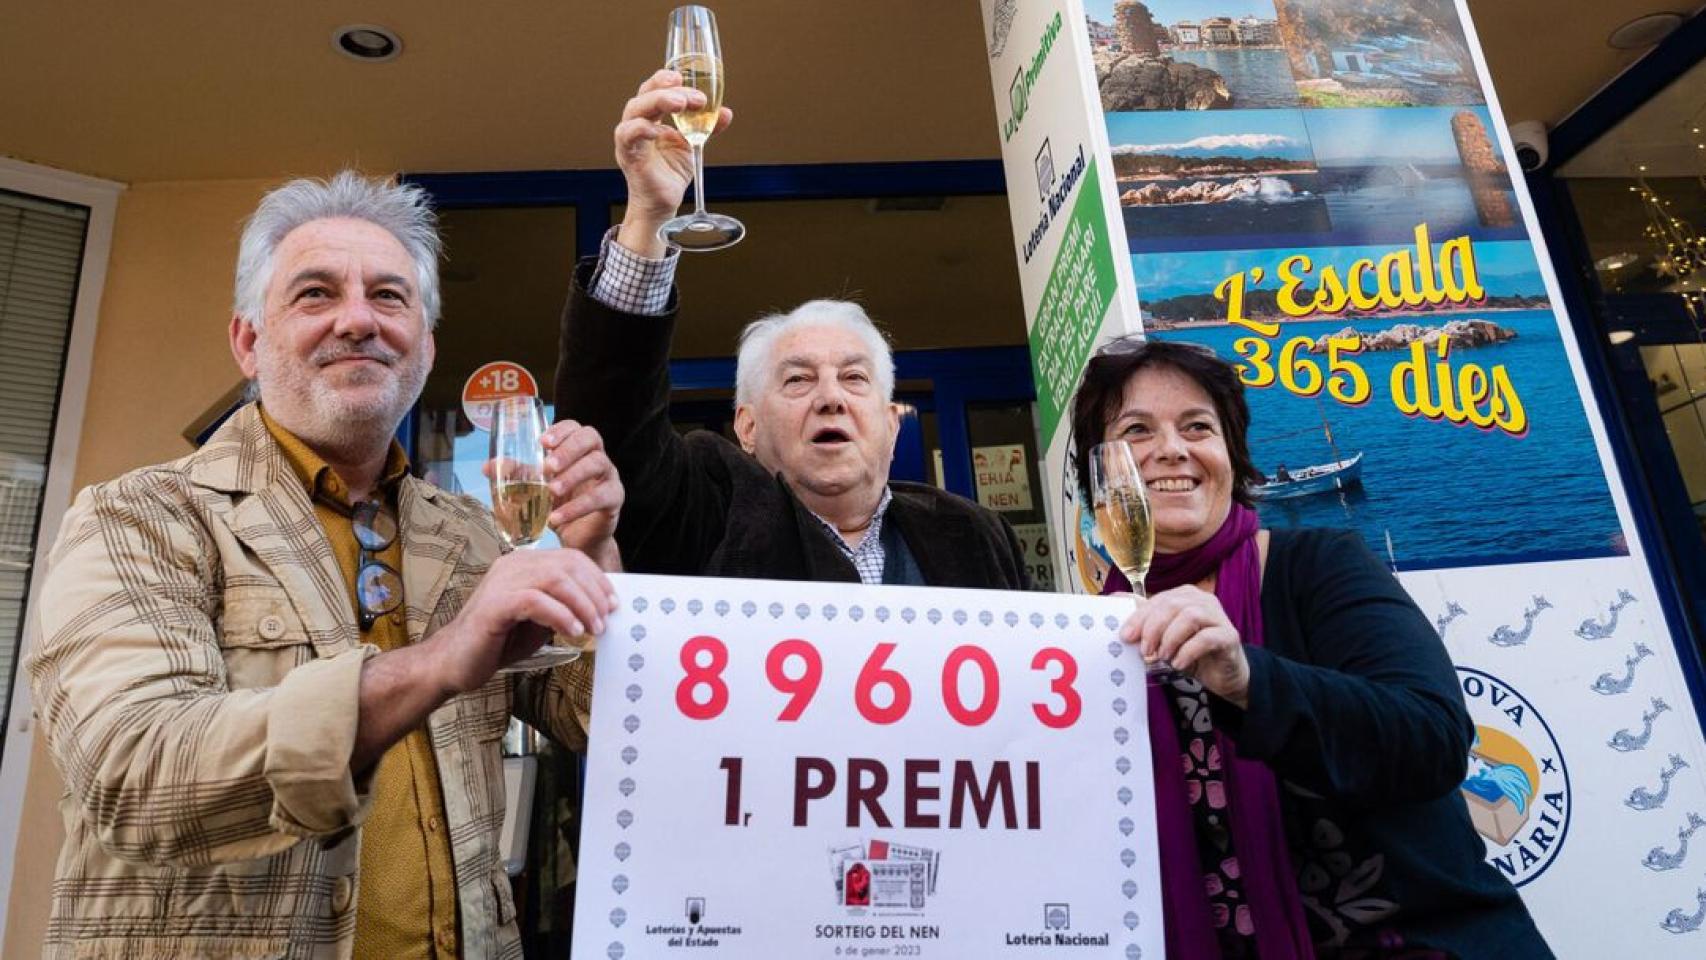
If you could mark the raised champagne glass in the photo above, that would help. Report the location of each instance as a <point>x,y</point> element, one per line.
<point>520,500</point>
<point>1123,520</point>
<point>695,52</point>
<point>521,503</point>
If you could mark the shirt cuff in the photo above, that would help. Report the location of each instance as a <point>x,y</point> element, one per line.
<point>311,730</point>
<point>629,283</point>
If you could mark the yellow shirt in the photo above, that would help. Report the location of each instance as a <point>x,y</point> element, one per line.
<point>406,899</point>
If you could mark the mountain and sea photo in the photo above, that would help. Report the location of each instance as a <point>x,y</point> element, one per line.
<point>1185,178</point>
<point>1284,178</point>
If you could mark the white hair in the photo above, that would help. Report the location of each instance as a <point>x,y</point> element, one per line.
<point>758,341</point>
<point>404,210</point>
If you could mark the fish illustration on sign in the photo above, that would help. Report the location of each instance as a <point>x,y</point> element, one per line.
<point>1453,610</point>
<point>1592,629</point>
<point>1607,684</point>
<point>1678,922</point>
<point>1659,858</point>
<point>1641,798</point>
<point>1626,741</point>
<point>1507,637</point>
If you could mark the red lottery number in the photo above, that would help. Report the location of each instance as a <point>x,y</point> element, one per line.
<point>873,675</point>
<point>799,690</point>
<point>702,675</point>
<point>970,716</point>
<point>1071,704</point>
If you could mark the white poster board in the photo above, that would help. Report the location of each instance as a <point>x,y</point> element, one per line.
<point>836,770</point>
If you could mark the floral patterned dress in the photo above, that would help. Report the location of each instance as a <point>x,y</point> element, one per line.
<point>1205,788</point>
<point>1341,891</point>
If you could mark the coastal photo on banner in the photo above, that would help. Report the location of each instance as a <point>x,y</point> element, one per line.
<point>1322,192</point>
<point>1340,219</point>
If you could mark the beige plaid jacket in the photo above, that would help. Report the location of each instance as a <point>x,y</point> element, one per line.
<point>197,683</point>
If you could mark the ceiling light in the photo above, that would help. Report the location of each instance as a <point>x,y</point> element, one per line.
<point>1621,336</point>
<point>1644,31</point>
<point>367,43</point>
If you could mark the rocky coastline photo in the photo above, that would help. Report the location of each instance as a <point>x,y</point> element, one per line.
<point>1189,55</point>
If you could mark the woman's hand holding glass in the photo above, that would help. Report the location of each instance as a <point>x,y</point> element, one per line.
<point>1187,628</point>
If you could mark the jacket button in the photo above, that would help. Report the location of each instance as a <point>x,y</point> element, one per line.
<point>272,627</point>
<point>342,890</point>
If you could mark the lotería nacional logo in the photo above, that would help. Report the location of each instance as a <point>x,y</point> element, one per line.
<point>1518,788</point>
<point>1058,932</point>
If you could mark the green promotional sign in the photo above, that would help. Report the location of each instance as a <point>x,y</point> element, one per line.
<point>1081,285</point>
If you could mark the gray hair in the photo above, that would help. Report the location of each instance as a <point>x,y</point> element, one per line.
<point>405,210</point>
<point>759,338</point>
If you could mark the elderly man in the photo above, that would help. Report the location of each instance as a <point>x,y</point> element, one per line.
<point>806,495</point>
<point>268,670</point>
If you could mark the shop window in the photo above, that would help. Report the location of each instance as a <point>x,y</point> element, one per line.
<point>1639,193</point>
<point>41,252</point>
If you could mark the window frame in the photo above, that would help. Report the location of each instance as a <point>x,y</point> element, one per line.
<point>100,197</point>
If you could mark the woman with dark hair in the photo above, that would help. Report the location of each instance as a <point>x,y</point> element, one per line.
<point>1308,753</point>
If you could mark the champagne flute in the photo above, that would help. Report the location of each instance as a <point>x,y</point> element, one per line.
<point>1123,520</point>
<point>521,502</point>
<point>695,52</point>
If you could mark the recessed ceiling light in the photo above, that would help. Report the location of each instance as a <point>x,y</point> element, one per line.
<point>1644,31</point>
<point>367,43</point>
<point>1616,261</point>
<point>1621,336</point>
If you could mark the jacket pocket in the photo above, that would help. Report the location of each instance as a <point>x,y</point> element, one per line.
<point>261,637</point>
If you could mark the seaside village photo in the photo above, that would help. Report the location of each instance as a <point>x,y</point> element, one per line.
<point>898,480</point>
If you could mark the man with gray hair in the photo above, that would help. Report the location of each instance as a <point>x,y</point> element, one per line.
<point>806,494</point>
<point>269,670</point>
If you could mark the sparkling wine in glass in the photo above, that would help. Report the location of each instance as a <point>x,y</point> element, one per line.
<point>521,503</point>
<point>695,52</point>
<point>520,500</point>
<point>1123,520</point>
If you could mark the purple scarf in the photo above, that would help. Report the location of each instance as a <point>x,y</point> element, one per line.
<point>1258,837</point>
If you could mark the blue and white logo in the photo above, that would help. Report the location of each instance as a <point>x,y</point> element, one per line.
<point>1518,789</point>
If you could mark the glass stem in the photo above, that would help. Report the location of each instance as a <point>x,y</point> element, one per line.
<point>699,180</point>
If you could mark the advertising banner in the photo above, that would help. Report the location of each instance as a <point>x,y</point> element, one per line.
<point>1074,275</point>
<point>835,770</point>
<point>1322,192</point>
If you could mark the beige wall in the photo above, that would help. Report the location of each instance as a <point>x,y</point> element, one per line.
<point>160,360</point>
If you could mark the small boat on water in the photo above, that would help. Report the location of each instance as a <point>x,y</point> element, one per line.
<point>1307,481</point>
